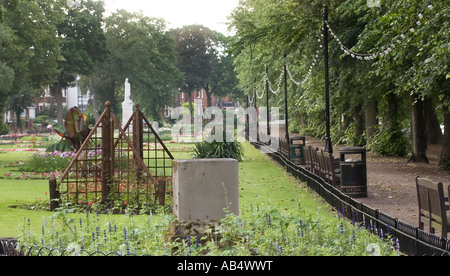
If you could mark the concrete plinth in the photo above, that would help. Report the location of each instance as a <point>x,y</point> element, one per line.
<point>203,188</point>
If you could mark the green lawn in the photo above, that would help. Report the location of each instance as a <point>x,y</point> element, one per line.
<point>18,192</point>
<point>262,183</point>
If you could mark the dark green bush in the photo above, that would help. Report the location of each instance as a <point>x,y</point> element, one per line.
<point>389,143</point>
<point>218,150</point>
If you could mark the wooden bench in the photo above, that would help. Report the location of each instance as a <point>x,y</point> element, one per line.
<point>323,165</point>
<point>331,170</point>
<point>432,206</point>
<point>322,168</point>
<point>308,160</point>
<point>315,160</point>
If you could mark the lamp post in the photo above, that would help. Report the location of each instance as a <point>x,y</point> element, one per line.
<point>267,101</point>
<point>328,144</point>
<point>286,118</point>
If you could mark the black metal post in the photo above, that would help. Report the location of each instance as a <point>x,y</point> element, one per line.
<point>54,194</point>
<point>256,107</point>
<point>267,101</point>
<point>247,123</point>
<point>328,144</point>
<point>286,117</point>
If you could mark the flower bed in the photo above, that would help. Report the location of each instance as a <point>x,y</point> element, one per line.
<point>264,231</point>
<point>24,143</point>
<point>31,175</point>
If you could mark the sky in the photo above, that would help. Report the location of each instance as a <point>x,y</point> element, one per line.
<point>177,13</point>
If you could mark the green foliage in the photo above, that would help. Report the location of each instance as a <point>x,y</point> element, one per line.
<point>444,163</point>
<point>29,49</point>
<point>54,161</point>
<point>197,52</point>
<point>75,130</point>
<point>139,48</point>
<point>4,128</point>
<point>63,145</point>
<point>411,38</point>
<point>266,231</point>
<point>216,149</point>
<point>389,143</point>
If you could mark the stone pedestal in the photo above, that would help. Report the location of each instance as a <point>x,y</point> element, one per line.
<point>203,188</point>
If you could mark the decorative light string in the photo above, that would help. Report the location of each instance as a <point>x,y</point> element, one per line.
<point>270,85</point>
<point>255,89</point>
<point>365,56</point>
<point>385,50</point>
<point>266,80</point>
<point>307,76</point>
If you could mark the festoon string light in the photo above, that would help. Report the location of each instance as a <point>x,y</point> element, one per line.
<point>385,50</point>
<point>266,80</point>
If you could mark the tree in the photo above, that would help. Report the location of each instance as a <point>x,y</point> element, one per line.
<point>197,54</point>
<point>19,102</point>
<point>222,80</point>
<point>82,45</point>
<point>29,47</point>
<point>140,49</point>
<point>393,59</point>
<point>417,32</point>
<point>6,72</point>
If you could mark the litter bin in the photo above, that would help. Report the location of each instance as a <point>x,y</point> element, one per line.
<point>353,171</point>
<point>297,150</point>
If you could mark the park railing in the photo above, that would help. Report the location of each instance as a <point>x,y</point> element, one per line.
<point>10,247</point>
<point>412,240</point>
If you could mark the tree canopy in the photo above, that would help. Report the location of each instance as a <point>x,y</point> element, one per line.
<point>389,81</point>
<point>29,48</point>
<point>142,50</point>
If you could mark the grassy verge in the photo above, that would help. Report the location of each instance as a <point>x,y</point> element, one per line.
<point>263,182</point>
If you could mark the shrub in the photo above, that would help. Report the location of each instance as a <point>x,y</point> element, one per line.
<point>389,143</point>
<point>444,163</point>
<point>219,150</point>
<point>47,161</point>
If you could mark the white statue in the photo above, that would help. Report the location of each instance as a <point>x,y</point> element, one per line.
<point>127,105</point>
<point>127,91</point>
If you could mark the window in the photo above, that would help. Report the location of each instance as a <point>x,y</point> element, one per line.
<point>167,111</point>
<point>200,94</point>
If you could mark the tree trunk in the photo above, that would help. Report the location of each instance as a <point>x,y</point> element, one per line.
<point>18,121</point>
<point>432,123</point>
<point>208,95</point>
<point>191,108</point>
<point>444,161</point>
<point>370,118</point>
<point>418,130</point>
<point>56,91</point>
<point>359,125</point>
<point>95,98</point>
<point>208,99</point>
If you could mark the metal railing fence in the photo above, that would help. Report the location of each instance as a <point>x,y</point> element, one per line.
<point>413,241</point>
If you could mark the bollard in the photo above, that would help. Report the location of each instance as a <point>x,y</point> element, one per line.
<point>160,194</point>
<point>54,194</point>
